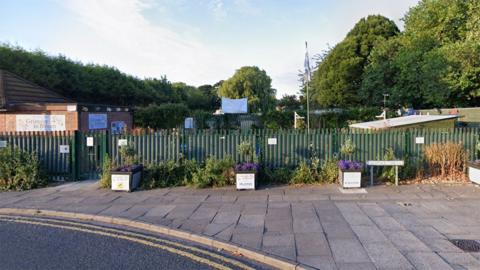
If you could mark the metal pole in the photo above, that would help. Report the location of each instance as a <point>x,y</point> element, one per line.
<point>308,111</point>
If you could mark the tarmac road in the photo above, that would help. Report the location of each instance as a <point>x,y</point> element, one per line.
<point>46,243</point>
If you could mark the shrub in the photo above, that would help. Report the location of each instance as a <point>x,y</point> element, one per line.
<point>106,177</point>
<point>277,175</point>
<point>128,154</point>
<point>388,172</point>
<point>445,159</point>
<point>20,170</point>
<point>303,174</point>
<point>216,173</point>
<point>348,148</point>
<point>329,171</point>
<point>169,174</point>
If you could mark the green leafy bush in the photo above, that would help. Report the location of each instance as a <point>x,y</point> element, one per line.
<point>169,174</point>
<point>304,174</point>
<point>128,154</point>
<point>277,175</point>
<point>20,170</point>
<point>388,172</point>
<point>107,166</point>
<point>329,171</point>
<point>216,173</point>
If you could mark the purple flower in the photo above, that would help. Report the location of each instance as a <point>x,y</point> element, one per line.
<point>246,166</point>
<point>349,165</point>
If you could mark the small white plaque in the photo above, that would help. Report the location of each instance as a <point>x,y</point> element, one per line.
<point>272,141</point>
<point>89,141</point>
<point>352,179</point>
<point>71,108</point>
<point>120,182</point>
<point>3,144</point>
<point>419,140</point>
<point>64,149</point>
<point>245,180</point>
<point>122,142</point>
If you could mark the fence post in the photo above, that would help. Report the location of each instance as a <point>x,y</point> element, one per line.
<point>104,147</point>
<point>407,141</point>
<point>75,155</point>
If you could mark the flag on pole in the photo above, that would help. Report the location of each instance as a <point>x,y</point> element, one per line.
<point>307,65</point>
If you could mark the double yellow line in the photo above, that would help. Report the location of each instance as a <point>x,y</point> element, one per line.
<point>166,245</point>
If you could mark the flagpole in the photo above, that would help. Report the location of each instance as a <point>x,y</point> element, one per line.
<point>308,98</point>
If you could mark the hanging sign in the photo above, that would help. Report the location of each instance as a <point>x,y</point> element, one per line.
<point>272,141</point>
<point>40,122</point>
<point>122,142</point>
<point>419,140</point>
<point>97,121</point>
<point>64,149</point>
<point>90,141</point>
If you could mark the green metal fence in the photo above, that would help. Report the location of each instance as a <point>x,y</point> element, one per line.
<point>274,148</point>
<point>47,145</point>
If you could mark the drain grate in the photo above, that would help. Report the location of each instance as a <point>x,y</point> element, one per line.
<point>467,245</point>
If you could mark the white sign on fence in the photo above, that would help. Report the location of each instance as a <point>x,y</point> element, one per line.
<point>97,121</point>
<point>272,141</point>
<point>40,122</point>
<point>64,149</point>
<point>122,142</point>
<point>3,144</point>
<point>419,140</point>
<point>245,180</point>
<point>90,141</point>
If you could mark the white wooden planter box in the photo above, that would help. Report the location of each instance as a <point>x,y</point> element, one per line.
<point>245,180</point>
<point>127,181</point>
<point>474,172</point>
<point>350,178</point>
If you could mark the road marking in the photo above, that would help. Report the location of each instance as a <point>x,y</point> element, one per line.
<point>211,254</point>
<point>118,236</point>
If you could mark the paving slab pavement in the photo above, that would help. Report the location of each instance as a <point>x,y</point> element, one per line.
<point>388,227</point>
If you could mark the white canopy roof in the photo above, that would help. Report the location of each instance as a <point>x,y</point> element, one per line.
<point>402,121</point>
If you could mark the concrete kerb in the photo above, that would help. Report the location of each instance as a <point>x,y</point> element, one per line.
<point>204,240</point>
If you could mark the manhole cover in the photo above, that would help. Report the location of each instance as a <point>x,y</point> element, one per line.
<point>467,245</point>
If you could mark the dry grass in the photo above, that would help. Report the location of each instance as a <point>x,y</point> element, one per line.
<point>446,160</point>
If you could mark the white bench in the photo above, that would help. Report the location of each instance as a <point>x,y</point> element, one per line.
<point>396,163</point>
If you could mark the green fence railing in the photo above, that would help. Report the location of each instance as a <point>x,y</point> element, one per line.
<point>274,148</point>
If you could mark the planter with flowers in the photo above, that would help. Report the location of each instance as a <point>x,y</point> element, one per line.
<point>128,176</point>
<point>246,175</point>
<point>350,173</point>
<point>246,172</point>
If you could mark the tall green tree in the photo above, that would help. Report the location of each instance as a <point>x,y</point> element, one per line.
<point>337,80</point>
<point>252,83</point>
<point>434,62</point>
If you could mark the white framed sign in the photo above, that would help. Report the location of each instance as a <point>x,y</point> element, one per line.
<point>3,144</point>
<point>419,140</point>
<point>64,149</point>
<point>40,122</point>
<point>97,121</point>
<point>89,141</point>
<point>272,141</point>
<point>122,142</point>
<point>245,180</point>
<point>71,108</point>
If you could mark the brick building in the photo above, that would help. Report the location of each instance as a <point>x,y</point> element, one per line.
<point>25,106</point>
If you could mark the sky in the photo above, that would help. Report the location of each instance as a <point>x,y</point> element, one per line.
<point>193,41</point>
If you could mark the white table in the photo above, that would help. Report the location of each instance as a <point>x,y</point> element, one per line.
<point>396,163</point>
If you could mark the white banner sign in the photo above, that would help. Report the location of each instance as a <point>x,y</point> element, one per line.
<point>234,105</point>
<point>40,122</point>
<point>97,121</point>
